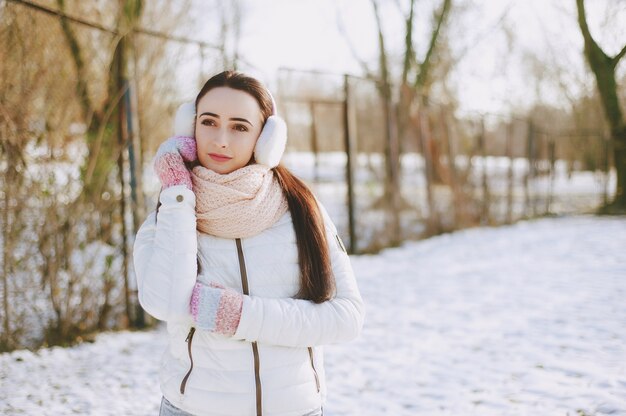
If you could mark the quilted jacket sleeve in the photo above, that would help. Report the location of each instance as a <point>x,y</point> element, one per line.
<point>165,252</point>
<point>303,323</point>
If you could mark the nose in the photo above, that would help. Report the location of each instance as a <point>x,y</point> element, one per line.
<point>221,138</point>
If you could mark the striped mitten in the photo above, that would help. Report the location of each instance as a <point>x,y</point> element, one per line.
<point>216,308</point>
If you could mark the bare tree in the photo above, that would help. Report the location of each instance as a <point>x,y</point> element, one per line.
<point>64,144</point>
<point>105,128</point>
<point>414,82</point>
<point>603,68</point>
<point>231,16</point>
<point>416,96</point>
<point>392,147</point>
<point>414,86</point>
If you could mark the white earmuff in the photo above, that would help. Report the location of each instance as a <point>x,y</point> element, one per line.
<point>271,144</point>
<point>269,147</point>
<point>185,120</point>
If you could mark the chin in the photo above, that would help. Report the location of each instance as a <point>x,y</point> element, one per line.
<point>221,168</point>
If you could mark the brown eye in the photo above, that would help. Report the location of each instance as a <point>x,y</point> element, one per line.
<point>241,127</point>
<point>207,122</point>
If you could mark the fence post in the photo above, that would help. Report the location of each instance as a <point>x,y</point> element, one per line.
<point>348,144</point>
<point>424,134</point>
<point>606,167</point>
<point>6,343</point>
<point>135,145</point>
<point>119,70</point>
<point>459,205</point>
<point>552,158</point>
<point>484,211</point>
<point>509,155</point>
<point>530,172</point>
<point>392,166</point>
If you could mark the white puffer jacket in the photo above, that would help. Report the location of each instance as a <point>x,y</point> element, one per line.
<point>274,362</point>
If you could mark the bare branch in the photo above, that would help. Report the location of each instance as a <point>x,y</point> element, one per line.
<point>81,85</point>
<point>592,49</point>
<point>619,56</point>
<point>425,66</point>
<point>582,21</point>
<point>383,62</point>
<point>399,6</point>
<point>342,29</point>
<point>409,53</point>
<point>484,35</point>
<point>237,22</point>
<point>603,68</point>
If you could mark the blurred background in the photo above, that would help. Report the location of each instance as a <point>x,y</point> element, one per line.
<point>407,118</point>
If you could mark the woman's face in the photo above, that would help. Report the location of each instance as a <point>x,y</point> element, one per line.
<point>228,124</point>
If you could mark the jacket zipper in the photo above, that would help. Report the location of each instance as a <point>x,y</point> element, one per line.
<point>317,379</point>
<point>255,348</point>
<point>188,340</point>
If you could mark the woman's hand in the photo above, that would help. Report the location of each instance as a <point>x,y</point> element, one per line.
<point>215,308</point>
<point>169,162</point>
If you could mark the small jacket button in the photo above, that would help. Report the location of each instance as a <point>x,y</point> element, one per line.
<point>179,198</point>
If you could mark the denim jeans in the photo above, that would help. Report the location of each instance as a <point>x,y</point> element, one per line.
<point>168,409</point>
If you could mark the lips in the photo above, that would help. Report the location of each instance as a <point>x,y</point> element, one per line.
<point>219,158</point>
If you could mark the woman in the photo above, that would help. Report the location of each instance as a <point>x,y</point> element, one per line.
<point>243,264</point>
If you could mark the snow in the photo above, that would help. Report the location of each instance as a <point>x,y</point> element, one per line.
<point>517,320</point>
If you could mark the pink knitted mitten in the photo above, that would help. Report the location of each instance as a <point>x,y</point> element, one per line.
<point>169,162</point>
<point>215,308</point>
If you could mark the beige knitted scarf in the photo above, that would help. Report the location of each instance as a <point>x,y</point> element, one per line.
<point>239,204</point>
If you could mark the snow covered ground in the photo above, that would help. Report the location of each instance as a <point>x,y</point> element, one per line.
<point>528,319</point>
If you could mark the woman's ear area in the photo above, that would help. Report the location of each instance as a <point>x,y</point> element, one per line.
<point>185,120</point>
<point>271,144</point>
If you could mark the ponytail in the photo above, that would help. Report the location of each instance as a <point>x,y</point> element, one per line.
<point>317,282</point>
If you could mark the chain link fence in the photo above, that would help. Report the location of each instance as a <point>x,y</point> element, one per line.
<point>455,172</point>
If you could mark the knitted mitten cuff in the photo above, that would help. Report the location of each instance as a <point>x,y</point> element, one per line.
<point>169,162</point>
<point>215,308</point>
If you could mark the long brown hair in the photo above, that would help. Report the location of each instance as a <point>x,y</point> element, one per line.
<point>316,278</point>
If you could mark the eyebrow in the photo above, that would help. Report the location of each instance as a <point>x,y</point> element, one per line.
<point>206,113</point>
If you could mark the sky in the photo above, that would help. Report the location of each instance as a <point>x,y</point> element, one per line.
<point>499,42</point>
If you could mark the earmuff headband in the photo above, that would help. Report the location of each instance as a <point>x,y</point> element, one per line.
<point>270,145</point>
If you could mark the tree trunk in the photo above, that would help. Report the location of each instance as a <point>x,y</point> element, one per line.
<point>619,157</point>
<point>603,68</point>
<point>422,122</point>
<point>392,154</point>
<point>397,110</point>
